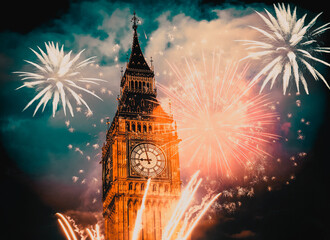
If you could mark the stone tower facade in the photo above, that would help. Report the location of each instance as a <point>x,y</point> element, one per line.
<point>141,143</point>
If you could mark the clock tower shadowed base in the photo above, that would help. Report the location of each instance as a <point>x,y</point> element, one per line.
<point>141,143</point>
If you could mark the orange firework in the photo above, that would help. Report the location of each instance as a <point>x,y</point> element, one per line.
<point>138,220</point>
<point>69,232</point>
<point>223,124</point>
<point>180,225</point>
<point>185,217</point>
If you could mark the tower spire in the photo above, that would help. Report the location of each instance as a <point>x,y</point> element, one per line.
<point>134,20</point>
<point>137,60</point>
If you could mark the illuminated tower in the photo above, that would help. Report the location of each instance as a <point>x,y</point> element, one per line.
<point>141,143</point>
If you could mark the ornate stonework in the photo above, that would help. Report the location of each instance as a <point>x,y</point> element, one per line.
<point>139,120</point>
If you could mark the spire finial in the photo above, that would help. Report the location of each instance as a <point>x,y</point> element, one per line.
<point>134,20</point>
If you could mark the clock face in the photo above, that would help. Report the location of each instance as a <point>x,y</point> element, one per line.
<point>147,159</point>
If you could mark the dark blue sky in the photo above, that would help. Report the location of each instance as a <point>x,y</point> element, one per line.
<point>46,168</point>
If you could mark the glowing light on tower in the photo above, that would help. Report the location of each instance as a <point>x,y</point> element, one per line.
<point>223,124</point>
<point>289,49</point>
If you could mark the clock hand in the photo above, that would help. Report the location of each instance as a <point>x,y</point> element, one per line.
<point>148,159</point>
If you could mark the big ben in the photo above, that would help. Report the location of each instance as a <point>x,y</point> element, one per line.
<point>141,143</point>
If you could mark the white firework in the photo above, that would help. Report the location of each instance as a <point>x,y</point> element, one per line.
<point>289,48</point>
<point>57,76</point>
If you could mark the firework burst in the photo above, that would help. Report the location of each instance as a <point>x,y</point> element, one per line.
<point>289,48</point>
<point>223,125</point>
<point>57,76</point>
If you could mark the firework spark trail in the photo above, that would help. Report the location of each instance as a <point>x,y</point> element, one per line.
<point>91,235</point>
<point>184,226</point>
<point>181,207</point>
<point>69,231</point>
<point>95,235</point>
<point>192,226</point>
<point>57,76</point>
<point>289,48</point>
<point>138,220</point>
<point>66,227</point>
<point>220,120</point>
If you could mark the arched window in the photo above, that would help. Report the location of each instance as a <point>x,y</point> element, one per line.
<point>154,188</point>
<point>133,127</point>
<point>142,187</point>
<point>127,127</point>
<point>144,128</point>
<point>166,188</point>
<point>140,86</point>
<point>150,128</point>
<point>139,127</point>
<point>136,85</point>
<point>130,186</point>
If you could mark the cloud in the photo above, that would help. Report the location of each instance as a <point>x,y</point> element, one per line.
<point>243,234</point>
<point>182,36</point>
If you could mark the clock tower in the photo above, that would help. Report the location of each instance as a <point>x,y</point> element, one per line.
<point>141,143</point>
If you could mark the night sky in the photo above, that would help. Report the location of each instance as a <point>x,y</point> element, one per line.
<point>48,166</point>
